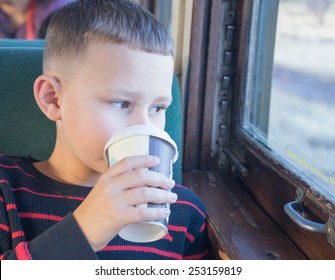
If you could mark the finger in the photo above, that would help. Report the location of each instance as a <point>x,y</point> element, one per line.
<point>142,177</point>
<point>131,163</point>
<point>145,195</point>
<point>141,214</point>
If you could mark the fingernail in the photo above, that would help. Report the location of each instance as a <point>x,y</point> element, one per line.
<point>155,160</point>
<point>173,196</point>
<point>171,182</point>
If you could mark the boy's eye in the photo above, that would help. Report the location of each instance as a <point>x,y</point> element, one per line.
<point>157,109</point>
<point>119,104</point>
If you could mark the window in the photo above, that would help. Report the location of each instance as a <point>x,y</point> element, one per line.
<point>284,102</point>
<point>291,86</point>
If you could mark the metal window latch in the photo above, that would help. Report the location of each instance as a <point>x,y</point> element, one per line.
<point>237,165</point>
<point>293,210</point>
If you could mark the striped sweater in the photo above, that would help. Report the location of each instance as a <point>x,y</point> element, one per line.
<point>36,221</point>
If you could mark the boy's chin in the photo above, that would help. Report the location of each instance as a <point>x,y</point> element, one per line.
<point>102,166</point>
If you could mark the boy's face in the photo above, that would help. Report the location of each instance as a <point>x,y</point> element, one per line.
<point>112,87</point>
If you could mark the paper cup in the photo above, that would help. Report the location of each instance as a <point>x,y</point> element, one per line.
<point>144,140</point>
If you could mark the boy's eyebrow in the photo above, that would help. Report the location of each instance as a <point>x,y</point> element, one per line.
<point>165,99</point>
<point>126,93</point>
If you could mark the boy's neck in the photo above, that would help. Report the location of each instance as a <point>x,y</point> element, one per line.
<point>64,173</point>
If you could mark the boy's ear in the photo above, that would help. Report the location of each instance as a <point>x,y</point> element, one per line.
<point>46,92</point>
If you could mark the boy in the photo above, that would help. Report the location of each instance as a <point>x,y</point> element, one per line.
<point>107,64</point>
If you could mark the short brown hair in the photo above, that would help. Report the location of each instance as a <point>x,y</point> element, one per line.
<point>116,21</point>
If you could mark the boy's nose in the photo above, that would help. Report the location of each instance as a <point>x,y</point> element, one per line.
<point>140,119</point>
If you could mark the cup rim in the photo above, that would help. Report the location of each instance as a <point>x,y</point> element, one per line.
<point>135,130</point>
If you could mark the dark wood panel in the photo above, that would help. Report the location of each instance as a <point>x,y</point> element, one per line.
<point>239,229</point>
<point>196,85</point>
<point>213,61</point>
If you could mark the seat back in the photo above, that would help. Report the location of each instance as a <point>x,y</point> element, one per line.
<point>24,130</point>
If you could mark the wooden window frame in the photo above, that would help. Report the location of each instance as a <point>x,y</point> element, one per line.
<point>239,179</point>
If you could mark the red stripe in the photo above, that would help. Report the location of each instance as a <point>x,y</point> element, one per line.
<point>30,28</point>
<point>203,227</point>
<point>4,181</point>
<point>14,234</point>
<point>145,250</point>
<point>22,252</point>
<point>168,237</point>
<point>48,195</point>
<point>197,256</point>
<point>10,206</point>
<point>16,167</point>
<point>17,234</point>
<point>4,227</point>
<point>40,216</point>
<point>190,237</point>
<point>182,229</point>
<point>192,205</point>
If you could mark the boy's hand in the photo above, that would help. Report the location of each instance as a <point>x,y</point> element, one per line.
<point>111,204</point>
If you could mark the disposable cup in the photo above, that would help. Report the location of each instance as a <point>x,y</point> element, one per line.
<point>144,140</point>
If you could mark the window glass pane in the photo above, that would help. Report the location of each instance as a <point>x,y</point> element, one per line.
<point>301,119</point>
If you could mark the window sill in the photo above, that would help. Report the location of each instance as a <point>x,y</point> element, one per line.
<point>238,228</point>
